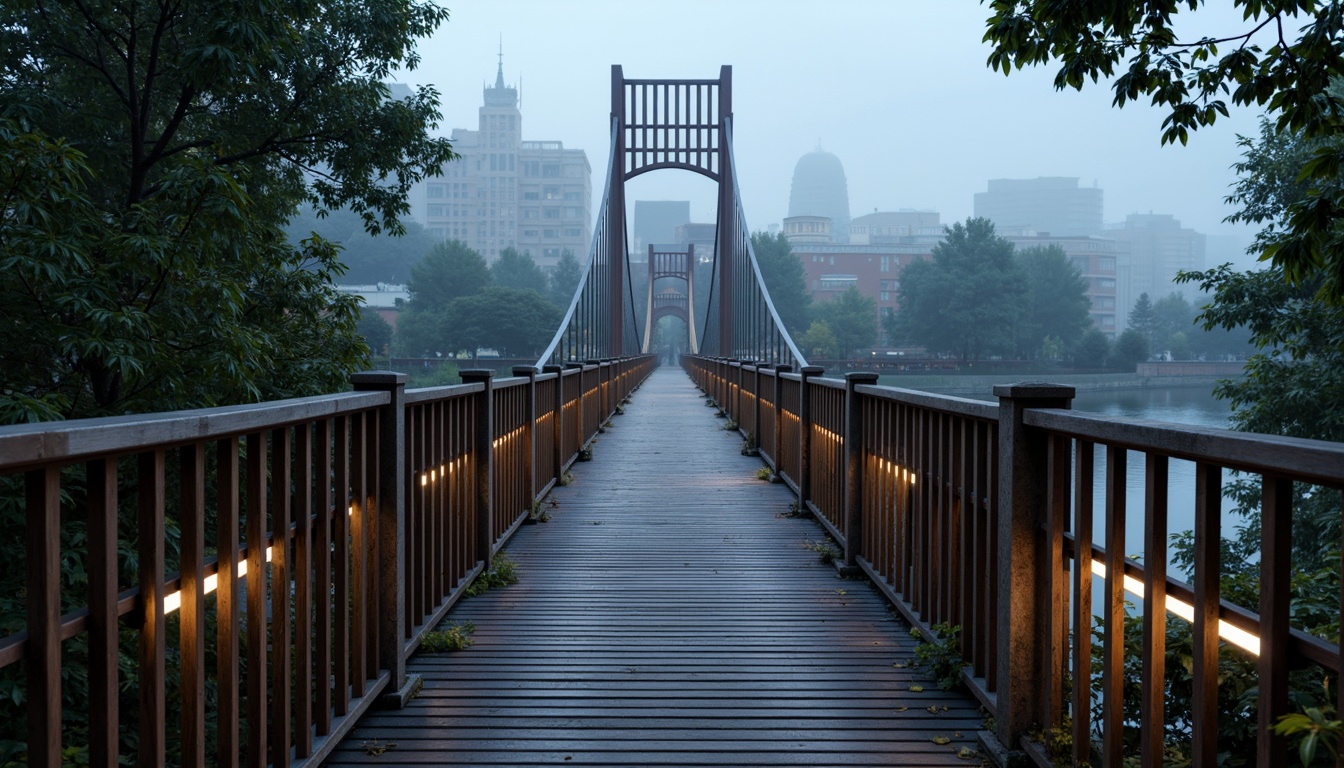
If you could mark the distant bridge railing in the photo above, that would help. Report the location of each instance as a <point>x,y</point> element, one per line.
<point>969,513</point>
<point>319,539</point>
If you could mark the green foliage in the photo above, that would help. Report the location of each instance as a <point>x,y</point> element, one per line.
<point>968,300</point>
<point>376,332</point>
<point>1192,78</point>
<point>785,279</point>
<point>1131,348</point>
<point>447,638</point>
<point>450,271</point>
<point>852,318</point>
<point>368,259</point>
<point>826,550</point>
<point>1056,299</point>
<point>819,341</point>
<point>1141,318</point>
<point>941,657</point>
<point>502,572</point>
<point>1312,728</point>
<point>517,270</point>
<point>764,473</point>
<point>1093,350</point>
<point>565,279</point>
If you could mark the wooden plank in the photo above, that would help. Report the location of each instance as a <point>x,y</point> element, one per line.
<point>104,694</point>
<point>153,645</point>
<point>281,593</point>
<point>673,618</point>
<point>43,534</point>
<point>226,602</point>
<point>256,600</point>
<point>191,627</point>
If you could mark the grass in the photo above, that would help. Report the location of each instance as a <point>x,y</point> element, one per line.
<point>567,478</point>
<point>729,425</point>
<point>826,550</point>
<point>501,573</point>
<point>448,638</point>
<point>764,473</point>
<point>538,513</point>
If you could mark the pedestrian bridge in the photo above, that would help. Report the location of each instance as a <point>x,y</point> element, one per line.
<point>262,578</point>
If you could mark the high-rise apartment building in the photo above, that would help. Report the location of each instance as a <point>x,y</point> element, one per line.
<point>535,196</point>
<point>1052,205</point>
<point>1156,248</point>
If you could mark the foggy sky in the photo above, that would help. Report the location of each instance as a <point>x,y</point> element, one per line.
<point>897,89</point>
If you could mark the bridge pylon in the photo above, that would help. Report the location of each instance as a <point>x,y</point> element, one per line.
<point>679,265</point>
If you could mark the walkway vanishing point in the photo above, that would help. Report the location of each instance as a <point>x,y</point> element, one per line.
<point>669,614</point>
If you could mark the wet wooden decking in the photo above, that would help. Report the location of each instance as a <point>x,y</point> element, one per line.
<point>670,614</point>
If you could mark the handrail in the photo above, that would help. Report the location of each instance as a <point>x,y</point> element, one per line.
<point>968,512</point>
<point>349,524</point>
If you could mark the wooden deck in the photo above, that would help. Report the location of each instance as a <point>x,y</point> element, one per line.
<point>669,614</point>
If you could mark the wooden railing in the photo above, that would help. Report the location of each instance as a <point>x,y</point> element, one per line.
<point>968,513</point>
<point>374,510</point>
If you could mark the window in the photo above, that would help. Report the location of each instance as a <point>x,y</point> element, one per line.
<point>531,169</point>
<point>572,196</point>
<point>573,213</point>
<point>530,213</point>
<point>1106,263</point>
<point>550,233</point>
<point>436,210</point>
<point>531,195</point>
<point>551,213</point>
<point>1106,283</point>
<point>550,171</point>
<point>886,263</point>
<point>437,190</point>
<point>529,233</point>
<point>886,296</point>
<point>574,171</point>
<point>573,232</point>
<point>550,193</point>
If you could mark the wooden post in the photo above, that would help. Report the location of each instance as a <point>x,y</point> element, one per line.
<point>483,451</point>
<point>780,370</point>
<point>805,436</point>
<point>1023,584</point>
<point>393,482</point>
<point>854,460</point>
<point>557,446</point>
<point>530,425</point>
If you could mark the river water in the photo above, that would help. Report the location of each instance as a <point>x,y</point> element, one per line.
<point>1182,405</point>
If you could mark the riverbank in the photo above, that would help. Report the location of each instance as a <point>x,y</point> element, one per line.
<point>982,386</point>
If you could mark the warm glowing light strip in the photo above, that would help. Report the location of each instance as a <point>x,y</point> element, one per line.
<point>173,600</point>
<point>1232,634</point>
<point>900,472</point>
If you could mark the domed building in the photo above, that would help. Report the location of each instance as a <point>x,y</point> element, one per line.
<point>819,189</point>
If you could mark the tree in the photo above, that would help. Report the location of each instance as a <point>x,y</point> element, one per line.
<point>1092,351</point>
<point>968,299</point>
<point>517,270</point>
<point>784,278</point>
<point>516,322</point>
<point>852,318</point>
<point>368,259</point>
<point>1173,315</point>
<point>376,331</point>
<point>201,127</point>
<point>450,271</point>
<point>1056,299</point>
<point>1131,348</point>
<point>1141,318</point>
<point>1136,44</point>
<point>565,279</point>
<point>818,342</point>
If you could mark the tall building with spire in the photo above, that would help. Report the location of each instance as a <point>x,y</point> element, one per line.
<point>535,196</point>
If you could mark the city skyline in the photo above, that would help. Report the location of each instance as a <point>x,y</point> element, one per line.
<point>903,99</point>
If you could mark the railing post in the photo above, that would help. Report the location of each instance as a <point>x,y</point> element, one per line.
<point>780,370</point>
<point>578,405</point>
<point>392,489</point>
<point>530,458</point>
<point>755,435</point>
<point>483,447</point>
<point>805,436</point>
<point>1023,583</point>
<point>854,461</point>
<point>558,432</point>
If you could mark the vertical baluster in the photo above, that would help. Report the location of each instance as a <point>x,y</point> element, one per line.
<point>191,625</point>
<point>1208,573</point>
<point>322,577</point>
<point>340,535</point>
<point>303,579</point>
<point>1276,553</point>
<point>227,624</point>
<point>42,494</point>
<point>104,740</point>
<point>1152,708</point>
<point>280,596</point>
<point>1113,612</point>
<point>359,565</point>
<point>1082,601</point>
<point>256,600</point>
<point>1057,584</point>
<point>153,648</point>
